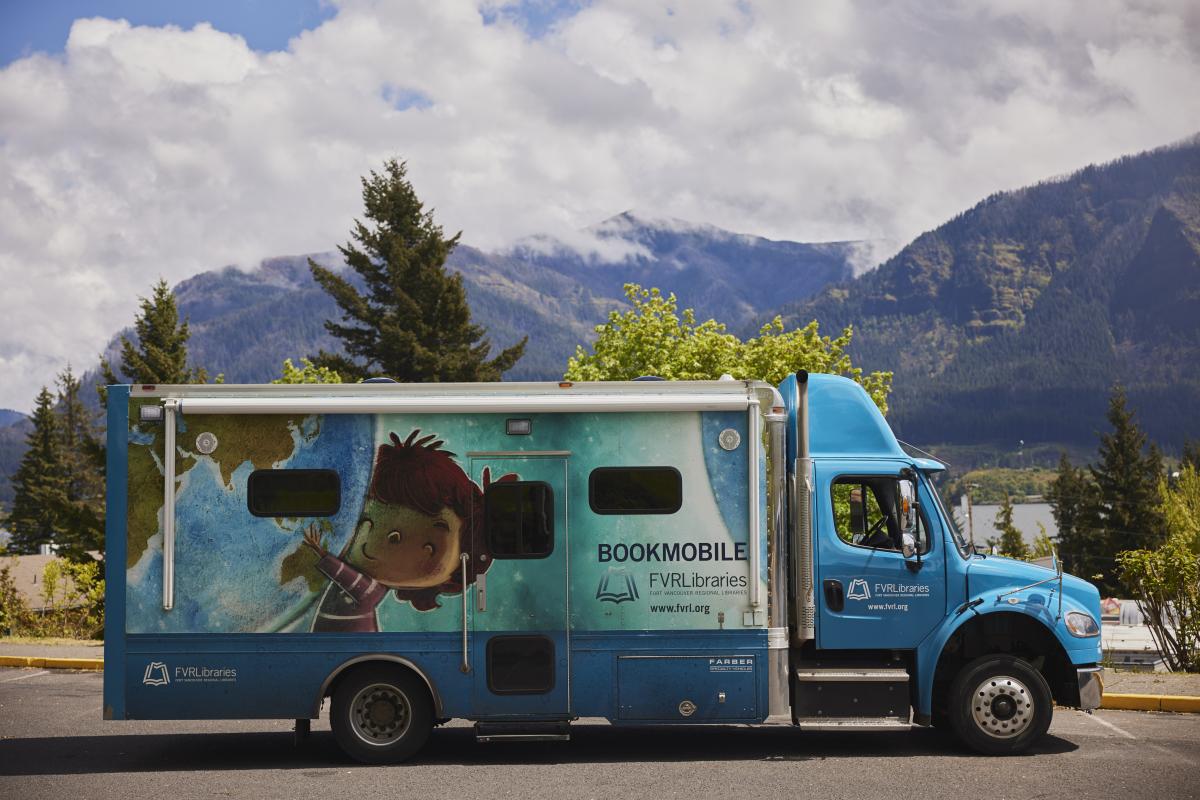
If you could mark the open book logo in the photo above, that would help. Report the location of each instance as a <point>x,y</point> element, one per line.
<point>858,590</point>
<point>616,586</point>
<point>156,674</point>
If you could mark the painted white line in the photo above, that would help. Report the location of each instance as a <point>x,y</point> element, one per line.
<point>1109,725</point>
<point>23,677</point>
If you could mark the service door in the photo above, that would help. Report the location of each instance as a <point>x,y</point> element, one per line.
<point>520,647</point>
<point>869,595</point>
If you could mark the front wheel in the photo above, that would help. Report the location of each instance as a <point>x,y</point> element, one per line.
<point>381,715</point>
<point>1000,705</point>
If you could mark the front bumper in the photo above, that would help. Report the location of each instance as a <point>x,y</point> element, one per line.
<point>1091,687</point>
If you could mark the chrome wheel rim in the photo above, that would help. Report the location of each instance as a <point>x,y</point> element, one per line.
<point>380,714</point>
<point>1002,707</point>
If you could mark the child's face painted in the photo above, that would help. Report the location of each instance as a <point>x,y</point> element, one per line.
<point>404,548</point>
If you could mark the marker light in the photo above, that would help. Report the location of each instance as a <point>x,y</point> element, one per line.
<point>1082,625</point>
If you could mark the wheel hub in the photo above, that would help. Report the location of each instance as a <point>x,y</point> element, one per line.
<point>1002,707</point>
<point>379,714</point>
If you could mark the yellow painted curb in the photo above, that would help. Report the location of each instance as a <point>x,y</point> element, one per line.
<point>1151,702</point>
<point>1181,703</point>
<point>40,662</point>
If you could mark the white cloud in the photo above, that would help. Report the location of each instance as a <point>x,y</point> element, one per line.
<point>141,152</point>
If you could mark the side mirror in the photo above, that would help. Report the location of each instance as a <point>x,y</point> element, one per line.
<point>908,545</point>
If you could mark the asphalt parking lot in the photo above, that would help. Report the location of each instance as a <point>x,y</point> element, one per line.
<point>53,744</point>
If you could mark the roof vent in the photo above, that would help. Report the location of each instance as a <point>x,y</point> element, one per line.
<point>380,380</point>
<point>727,377</point>
<point>649,378</point>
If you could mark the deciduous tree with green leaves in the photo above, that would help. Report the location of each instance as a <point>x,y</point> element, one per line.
<point>1166,579</point>
<point>412,323</point>
<point>654,338</point>
<point>307,372</point>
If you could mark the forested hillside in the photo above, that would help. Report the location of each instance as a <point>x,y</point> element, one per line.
<point>1013,320</point>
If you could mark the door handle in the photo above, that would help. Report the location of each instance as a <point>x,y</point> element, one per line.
<point>835,598</point>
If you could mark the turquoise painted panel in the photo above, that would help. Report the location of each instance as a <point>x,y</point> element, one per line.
<point>388,560</point>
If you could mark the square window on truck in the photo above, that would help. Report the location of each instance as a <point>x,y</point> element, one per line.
<point>519,516</point>
<point>877,511</point>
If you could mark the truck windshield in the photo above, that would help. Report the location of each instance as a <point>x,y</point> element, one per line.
<point>950,521</point>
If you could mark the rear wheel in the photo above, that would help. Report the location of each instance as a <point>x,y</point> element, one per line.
<point>381,715</point>
<point>1000,705</point>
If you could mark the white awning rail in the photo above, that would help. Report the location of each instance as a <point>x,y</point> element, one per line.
<point>470,404</point>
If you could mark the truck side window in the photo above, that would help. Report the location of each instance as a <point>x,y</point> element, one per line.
<point>293,493</point>
<point>635,490</point>
<point>871,512</point>
<point>519,518</point>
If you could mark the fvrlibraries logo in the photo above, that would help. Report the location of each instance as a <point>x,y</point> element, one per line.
<point>858,590</point>
<point>156,674</point>
<point>616,586</point>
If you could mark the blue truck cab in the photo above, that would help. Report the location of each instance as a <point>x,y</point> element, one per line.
<point>528,554</point>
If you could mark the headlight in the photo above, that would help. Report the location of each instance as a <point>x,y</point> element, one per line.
<point>1080,624</point>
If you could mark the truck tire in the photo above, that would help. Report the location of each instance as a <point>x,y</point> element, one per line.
<point>381,714</point>
<point>1000,705</point>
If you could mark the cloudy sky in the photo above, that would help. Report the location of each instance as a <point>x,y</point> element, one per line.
<point>142,139</point>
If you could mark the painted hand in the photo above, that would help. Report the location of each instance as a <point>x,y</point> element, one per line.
<point>312,538</point>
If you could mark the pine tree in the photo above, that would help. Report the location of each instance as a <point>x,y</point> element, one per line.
<point>39,484</point>
<point>1127,479</point>
<point>1012,543</point>
<point>1191,455</point>
<point>81,510</point>
<point>159,352</point>
<point>1073,501</point>
<point>413,323</point>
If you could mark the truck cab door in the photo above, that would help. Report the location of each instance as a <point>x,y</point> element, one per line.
<point>869,595</point>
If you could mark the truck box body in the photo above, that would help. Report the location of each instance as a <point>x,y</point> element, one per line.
<point>647,552</point>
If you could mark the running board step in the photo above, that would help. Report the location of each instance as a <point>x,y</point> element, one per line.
<point>522,731</point>
<point>848,675</point>
<point>852,724</point>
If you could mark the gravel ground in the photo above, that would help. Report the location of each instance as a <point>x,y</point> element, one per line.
<point>1152,683</point>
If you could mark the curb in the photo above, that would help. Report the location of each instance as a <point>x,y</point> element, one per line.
<point>41,662</point>
<point>1151,702</point>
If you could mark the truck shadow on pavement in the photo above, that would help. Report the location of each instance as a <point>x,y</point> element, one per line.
<point>590,744</point>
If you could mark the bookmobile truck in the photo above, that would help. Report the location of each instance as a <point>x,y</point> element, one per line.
<point>527,554</point>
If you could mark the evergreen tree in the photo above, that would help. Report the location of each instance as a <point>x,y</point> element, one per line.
<point>1073,501</point>
<point>413,323</point>
<point>81,507</point>
<point>1191,455</point>
<point>39,484</point>
<point>1012,543</point>
<point>158,354</point>
<point>1127,479</point>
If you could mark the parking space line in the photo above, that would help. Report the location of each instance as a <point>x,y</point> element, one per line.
<point>1110,726</point>
<point>23,677</point>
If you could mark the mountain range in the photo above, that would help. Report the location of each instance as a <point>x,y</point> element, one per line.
<point>1013,321</point>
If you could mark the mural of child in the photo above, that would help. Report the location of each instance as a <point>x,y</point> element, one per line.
<point>421,513</point>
